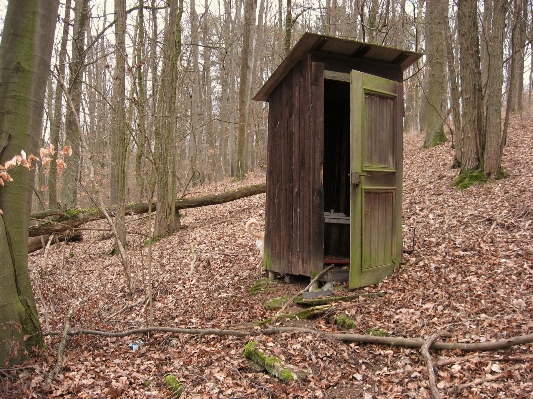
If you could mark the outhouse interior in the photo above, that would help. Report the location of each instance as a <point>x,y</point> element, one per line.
<point>334,166</point>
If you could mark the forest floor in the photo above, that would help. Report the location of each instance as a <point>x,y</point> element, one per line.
<point>470,275</point>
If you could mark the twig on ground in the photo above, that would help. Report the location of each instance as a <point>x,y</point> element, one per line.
<point>478,381</point>
<point>60,351</point>
<point>429,363</point>
<point>38,286</point>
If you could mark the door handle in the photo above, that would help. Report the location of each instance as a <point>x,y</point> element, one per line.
<point>355,177</point>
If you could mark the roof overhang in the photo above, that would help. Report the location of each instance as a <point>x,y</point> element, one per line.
<point>336,46</point>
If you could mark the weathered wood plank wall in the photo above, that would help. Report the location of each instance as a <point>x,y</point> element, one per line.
<point>294,206</point>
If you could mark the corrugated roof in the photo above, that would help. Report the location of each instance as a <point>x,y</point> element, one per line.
<point>336,46</point>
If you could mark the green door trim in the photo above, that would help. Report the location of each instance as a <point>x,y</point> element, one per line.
<point>371,181</point>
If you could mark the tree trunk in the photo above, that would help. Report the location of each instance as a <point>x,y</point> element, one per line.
<point>165,219</point>
<point>25,53</point>
<point>209,127</point>
<point>120,131</point>
<point>57,116</point>
<point>141,137</point>
<point>471,85</point>
<point>288,28</point>
<point>244,85</point>
<point>69,187</point>
<point>435,31</point>
<point>454,94</point>
<point>495,37</point>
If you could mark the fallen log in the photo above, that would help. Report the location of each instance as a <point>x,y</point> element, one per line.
<point>36,243</point>
<point>57,221</point>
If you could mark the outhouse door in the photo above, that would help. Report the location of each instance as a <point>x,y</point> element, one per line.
<point>376,178</point>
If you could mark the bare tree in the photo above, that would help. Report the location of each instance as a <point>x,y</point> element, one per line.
<point>70,179</point>
<point>25,53</point>
<point>58,115</point>
<point>471,84</point>
<point>244,84</point>
<point>435,31</point>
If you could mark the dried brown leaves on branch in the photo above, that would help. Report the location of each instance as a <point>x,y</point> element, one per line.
<point>470,275</point>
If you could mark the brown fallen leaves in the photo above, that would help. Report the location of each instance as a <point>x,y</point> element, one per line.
<point>470,275</point>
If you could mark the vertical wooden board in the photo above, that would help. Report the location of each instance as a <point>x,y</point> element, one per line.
<point>398,162</point>
<point>304,155</point>
<point>298,136</point>
<point>356,160</point>
<point>286,172</point>
<point>270,214</point>
<point>317,131</point>
<point>272,211</point>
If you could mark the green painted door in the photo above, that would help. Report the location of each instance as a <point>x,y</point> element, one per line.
<point>376,178</point>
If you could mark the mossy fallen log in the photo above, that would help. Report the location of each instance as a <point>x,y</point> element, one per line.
<point>272,364</point>
<point>57,220</point>
<point>331,299</point>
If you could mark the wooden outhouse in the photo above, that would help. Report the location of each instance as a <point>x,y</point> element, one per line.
<point>334,168</point>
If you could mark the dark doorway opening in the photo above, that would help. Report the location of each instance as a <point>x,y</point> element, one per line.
<point>336,169</point>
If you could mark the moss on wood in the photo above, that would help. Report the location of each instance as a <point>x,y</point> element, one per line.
<point>272,364</point>
<point>276,303</point>
<point>331,299</point>
<point>344,322</point>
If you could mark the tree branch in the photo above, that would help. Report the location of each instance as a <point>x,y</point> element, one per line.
<point>368,339</point>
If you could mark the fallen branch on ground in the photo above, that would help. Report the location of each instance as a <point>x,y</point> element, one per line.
<point>429,363</point>
<point>367,339</point>
<point>60,351</point>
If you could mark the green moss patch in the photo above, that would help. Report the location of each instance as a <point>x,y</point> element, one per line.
<point>263,284</point>
<point>174,385</point>
<point>469,178</point>
<point>276,303</point>
<point>377,332</point>
<point>344,322</point>
<point>272,364</point>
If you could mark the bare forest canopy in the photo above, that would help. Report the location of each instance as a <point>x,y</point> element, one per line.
<point>161,90</point>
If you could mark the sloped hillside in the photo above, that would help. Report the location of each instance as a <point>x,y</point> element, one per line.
<point>470,274</point>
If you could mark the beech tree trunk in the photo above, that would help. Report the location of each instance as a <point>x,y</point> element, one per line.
<point>25,52</point>
<point>435,31</point>
<point>455,95</point>
<point>165,131</point>
<point>244,85</point>
<point>70,178</point>
<point>495,36</point>
<point>471,133</point>
<point>57,116</point>
<point>120,131</point>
